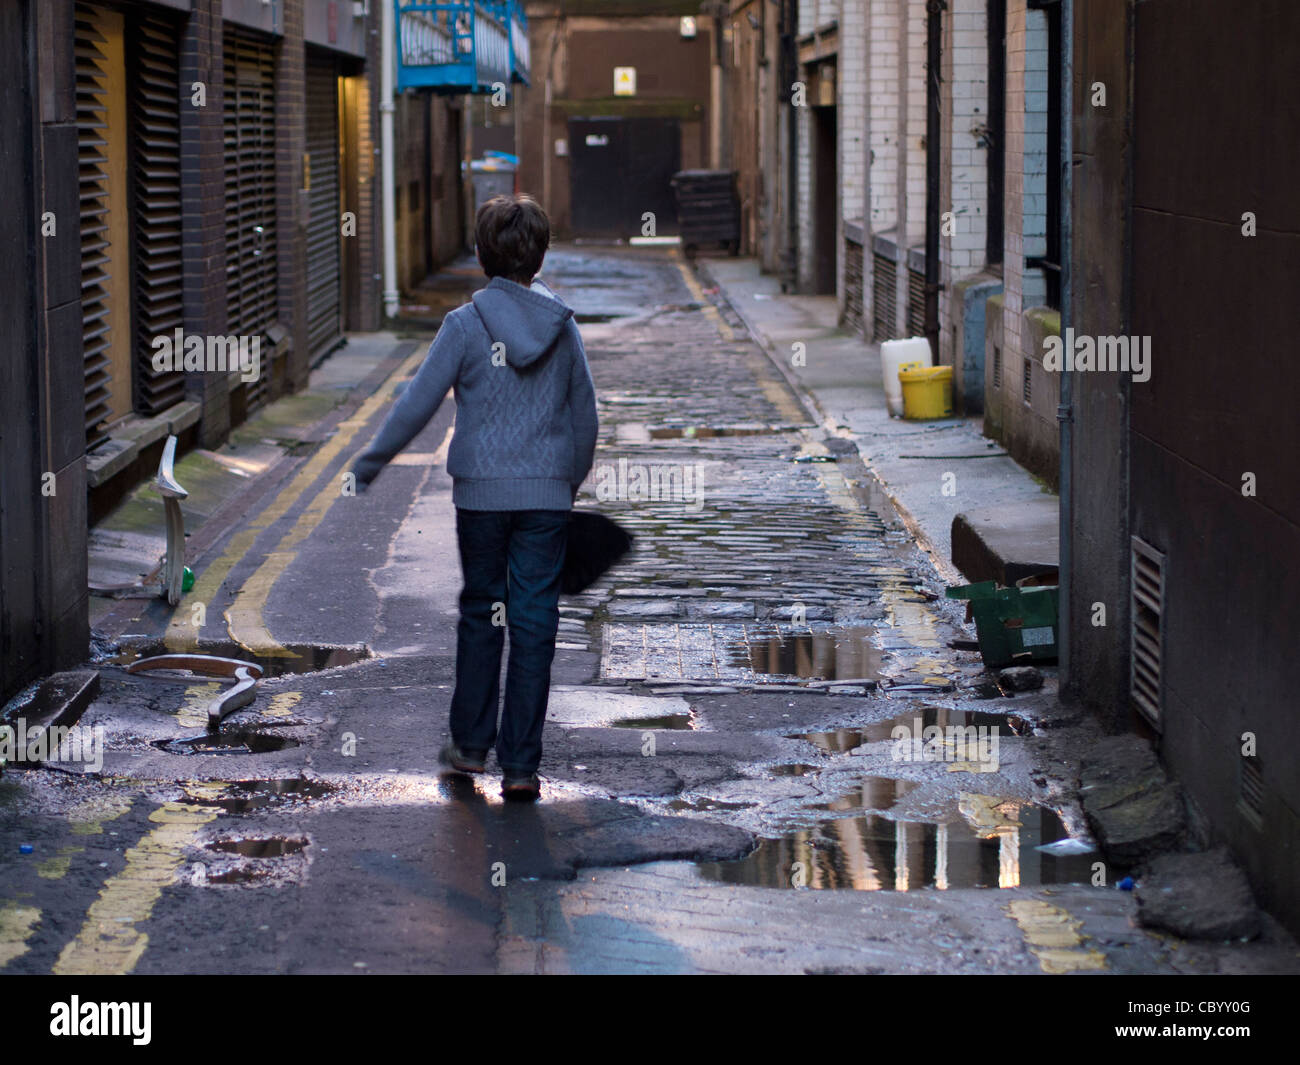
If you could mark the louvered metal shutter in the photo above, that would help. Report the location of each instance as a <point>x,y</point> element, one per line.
<point>852,284</point>
<point>156,169</point>
<point>1146,643</point>
<point>884,298</point>
<point>916,303</point>
<point>323,327</point>
<point>92,164</point>
<point>248,112</point>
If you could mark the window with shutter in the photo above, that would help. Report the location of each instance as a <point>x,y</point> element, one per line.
<point>248,114</point>
<point>156,169</point>
<point>323,326</point>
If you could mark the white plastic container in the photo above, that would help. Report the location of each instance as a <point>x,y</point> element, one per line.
<point>893,353</point>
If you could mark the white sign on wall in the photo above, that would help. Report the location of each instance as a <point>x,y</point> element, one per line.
<point>625,81</point>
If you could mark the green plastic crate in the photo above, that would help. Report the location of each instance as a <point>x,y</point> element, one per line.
<point>1014,625</point>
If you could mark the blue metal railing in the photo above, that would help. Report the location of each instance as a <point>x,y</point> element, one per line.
<point>467,46</point>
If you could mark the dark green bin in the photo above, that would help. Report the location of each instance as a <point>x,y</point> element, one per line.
<point>1014,625</point>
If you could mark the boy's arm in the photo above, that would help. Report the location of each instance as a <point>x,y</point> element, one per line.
<point>582,405</point>
<point>419,402</point>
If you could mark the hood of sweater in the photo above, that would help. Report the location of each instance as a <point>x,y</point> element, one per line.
<point>528,321</point>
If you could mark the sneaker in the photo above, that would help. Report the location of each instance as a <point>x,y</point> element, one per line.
<point>462,761</point>
<point>522,786</point>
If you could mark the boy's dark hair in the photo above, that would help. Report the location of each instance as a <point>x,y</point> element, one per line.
<point>511,235</point>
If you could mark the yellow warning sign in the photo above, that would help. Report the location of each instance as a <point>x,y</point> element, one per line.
<point>625,81</point>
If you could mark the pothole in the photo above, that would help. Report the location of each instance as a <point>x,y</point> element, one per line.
<point>665,721</point>
<point>704,432</point>
<point>793,769</point>
<point>301,657</point>
<point>263,847</point>
<point>838,741</point>
<point>227,741</point>
<point>708,804</point>
<point>244,796</point>
<point>993,845</point>
<point>845,654</point>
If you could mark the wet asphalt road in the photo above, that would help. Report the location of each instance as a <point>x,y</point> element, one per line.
<point>721,787</point>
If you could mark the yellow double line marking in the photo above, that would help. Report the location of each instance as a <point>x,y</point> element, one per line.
<point>244,618</point>
<point>697,293</point>
<point>1052,936</point>
<point>110,942</point>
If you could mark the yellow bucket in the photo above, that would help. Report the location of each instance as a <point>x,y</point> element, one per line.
<point>927,391</point>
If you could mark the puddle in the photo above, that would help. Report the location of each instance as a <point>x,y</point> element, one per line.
<point>835,654</point>
<point>267,847</point>
<point>794,769</point>
<point>708,804</point>
<point>302,658</point>
<point>243,796</point>
<point>666,721</point>
<point>846,739</point>
<point>992,846</point>
<point>227,741</point>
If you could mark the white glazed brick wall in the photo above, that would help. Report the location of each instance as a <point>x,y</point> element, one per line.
<point>882,79</point>
<point>851,89</point>
<point>915,148</point>
<point>804,167</point>
<point>1013,197</point>
<point>1034,194</point>
<point>964,105</point>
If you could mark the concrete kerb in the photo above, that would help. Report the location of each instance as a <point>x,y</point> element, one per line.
<point>817,413</point>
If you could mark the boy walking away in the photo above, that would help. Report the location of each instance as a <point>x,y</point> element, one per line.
<point>524,441</point>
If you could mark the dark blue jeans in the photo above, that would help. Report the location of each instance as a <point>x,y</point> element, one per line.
<point>511,562</point>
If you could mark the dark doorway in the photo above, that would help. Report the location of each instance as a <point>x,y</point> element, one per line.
<point>620,169</point>
<point>825,199</point>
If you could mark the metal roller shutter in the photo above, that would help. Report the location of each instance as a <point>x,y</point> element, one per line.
<point>249,120</point>
<point>92,160</point>
<point>323,321</point>
<point>884,296</point>
<point>156,168</point>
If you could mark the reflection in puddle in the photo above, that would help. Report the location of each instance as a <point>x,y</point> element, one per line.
<point>836,654</point>
<point>301,658</point>
<point>269,847</point>
<point>846,739</point>
<point>991,846</point>
<point>669,721</point>
<point>875,793</point>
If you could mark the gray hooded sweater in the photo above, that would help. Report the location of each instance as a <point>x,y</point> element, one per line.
<point>525,406</point>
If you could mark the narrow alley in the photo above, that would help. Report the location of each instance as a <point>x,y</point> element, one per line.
<point>724,787</point>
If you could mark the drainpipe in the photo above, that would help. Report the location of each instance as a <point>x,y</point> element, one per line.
<point>388,170</point>
<point>933,49</point>
<point>1065,411</point>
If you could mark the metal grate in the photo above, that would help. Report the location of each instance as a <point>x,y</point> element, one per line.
<point>997,367</point>
<point>884,296</point>
<point>323,327</point>
<point>156,173</point>
<point>853,309</point>
<point>1027,382</point>
<point>1146,645</point>
<point>92,163</point>
<point>248,113</point>
<point>916,303</point>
